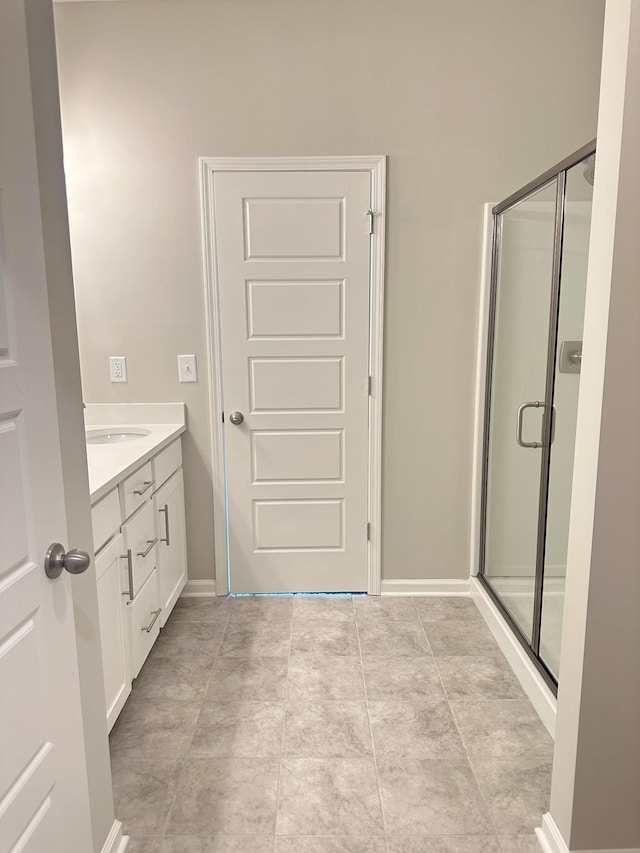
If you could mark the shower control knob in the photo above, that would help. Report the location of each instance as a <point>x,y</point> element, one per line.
<point>236,418</point>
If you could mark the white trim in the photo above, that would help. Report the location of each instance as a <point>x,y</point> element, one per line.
<point>532,682</point>
<point>199,589</point>
<point>550,837</point>
<point>115,841</point>
<point>426,586</point>
<point>480,391</point>
<point>215,377</point>
<point>551,840</point>
<point>376,165</point>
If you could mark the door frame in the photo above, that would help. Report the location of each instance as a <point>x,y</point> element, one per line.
<point>376,166</point>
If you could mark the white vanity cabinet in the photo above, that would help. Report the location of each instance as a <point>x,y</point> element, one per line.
<point>168,504</point>
<point>113,627</point>
<point>141,566</point>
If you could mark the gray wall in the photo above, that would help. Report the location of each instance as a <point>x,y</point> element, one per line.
<point>469,100</point>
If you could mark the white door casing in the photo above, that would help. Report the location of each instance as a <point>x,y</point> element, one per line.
<point>290,245</point>
<point>44,801</point>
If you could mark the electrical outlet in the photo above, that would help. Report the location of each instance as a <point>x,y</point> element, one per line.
<point>187,368</point>
<point>118,368</point>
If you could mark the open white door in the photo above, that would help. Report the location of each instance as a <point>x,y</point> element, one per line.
<point>44,800</point>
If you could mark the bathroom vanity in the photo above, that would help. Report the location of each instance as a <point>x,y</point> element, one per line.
<point>138,516</point>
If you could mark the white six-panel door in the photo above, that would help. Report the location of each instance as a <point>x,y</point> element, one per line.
<point>44,804</point>
<point>292,252</point>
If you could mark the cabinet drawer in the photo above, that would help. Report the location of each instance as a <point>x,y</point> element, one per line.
<point>167,462</point>
<point>144,622</point>
<point>105,519</point>
<point>141,540</point>
<point>136,489</point>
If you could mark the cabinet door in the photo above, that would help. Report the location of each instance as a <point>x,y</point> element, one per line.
<point>144,622</point>
<point>172,547</point>
<point>113,628</point>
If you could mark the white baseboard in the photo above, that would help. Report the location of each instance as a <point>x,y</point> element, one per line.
<point>551,840</point>
<point>199,589</point>
<point>532,682</point>
<point>115,842</point>
<point>426,586</point>
<point>549,836</point>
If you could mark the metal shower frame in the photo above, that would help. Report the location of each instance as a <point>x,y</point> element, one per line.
<point>557,173</point>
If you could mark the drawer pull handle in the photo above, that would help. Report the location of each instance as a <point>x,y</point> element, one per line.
<point>165,510</point>
<point>150,544</point>
<point>155,613</point>
<point>147,485</point>
<point>129,560</point>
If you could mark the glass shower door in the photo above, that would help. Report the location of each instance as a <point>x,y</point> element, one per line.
<point>538,290</point>
<point>522,297</point>
<point>568,357</point>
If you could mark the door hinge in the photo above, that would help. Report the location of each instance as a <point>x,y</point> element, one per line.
<point>223,417</point>
<point>368,531</point>
<point>370,213</point>
<point>369,383</point>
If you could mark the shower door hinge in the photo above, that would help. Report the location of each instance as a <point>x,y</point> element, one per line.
<point>370,213</point>
<point>368,531</point>
<point>223,417</point>
<point>369,383</point>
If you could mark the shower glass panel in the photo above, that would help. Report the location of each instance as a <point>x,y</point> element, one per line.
<point>538,290</point>
<point>573,287</point>
<point>519,367</point>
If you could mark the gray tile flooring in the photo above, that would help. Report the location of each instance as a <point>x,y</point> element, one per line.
<point>320,725</point>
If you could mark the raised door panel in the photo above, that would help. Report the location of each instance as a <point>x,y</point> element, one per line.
<point>172,550</point>
<point>113,628</point>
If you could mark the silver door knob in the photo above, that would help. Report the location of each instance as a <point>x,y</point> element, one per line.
<point>57,559</point>
<point>236,418</point>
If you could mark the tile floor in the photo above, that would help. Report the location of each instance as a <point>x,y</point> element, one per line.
<point>318,725</point>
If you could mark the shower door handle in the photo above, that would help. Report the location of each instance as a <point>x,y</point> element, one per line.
<point>533,404</point>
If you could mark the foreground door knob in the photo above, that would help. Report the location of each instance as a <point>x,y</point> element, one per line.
<point>56,559</point>
<point>236,418</point>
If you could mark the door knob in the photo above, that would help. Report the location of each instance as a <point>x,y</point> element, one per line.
<point>57,559</point>
<point>236,418</point>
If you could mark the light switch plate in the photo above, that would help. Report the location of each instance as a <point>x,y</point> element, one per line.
<point>118,368</point>
<point>187,368</point>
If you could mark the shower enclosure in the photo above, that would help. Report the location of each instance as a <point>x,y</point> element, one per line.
<point>536,317</point>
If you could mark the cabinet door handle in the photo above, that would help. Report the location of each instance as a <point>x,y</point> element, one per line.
<point>150,544</point>
<point>165,510</point>
<point>129,560</point>
<point>147,485</point>
<point>155,614</point>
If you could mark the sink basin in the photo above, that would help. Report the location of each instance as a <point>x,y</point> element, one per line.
<point>115,435</point>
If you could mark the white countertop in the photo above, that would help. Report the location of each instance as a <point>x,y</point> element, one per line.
<point>109,464</point>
